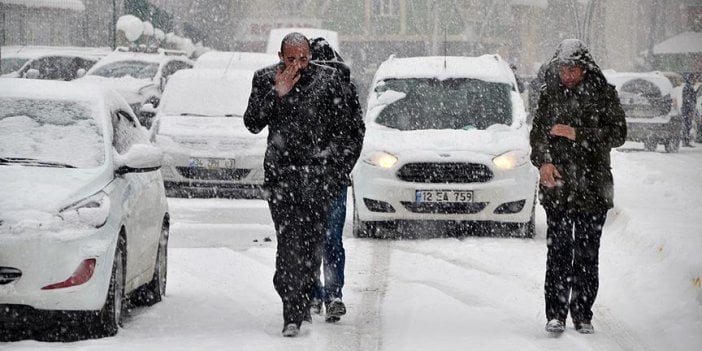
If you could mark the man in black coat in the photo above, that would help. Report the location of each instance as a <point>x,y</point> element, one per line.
<point>687,108</point>
<point>579,119</point>
<point>305,109</point>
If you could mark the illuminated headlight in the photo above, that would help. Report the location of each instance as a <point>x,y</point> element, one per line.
<point>92,211</point>
<point>511,159</point>
<point>380,159</point>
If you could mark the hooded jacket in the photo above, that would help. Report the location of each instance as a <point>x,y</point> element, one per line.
<point>594,110</point>
<point>306,128</point>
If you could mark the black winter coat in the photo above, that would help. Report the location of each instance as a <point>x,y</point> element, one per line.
<point>594,110</point>
<point>308,129</point>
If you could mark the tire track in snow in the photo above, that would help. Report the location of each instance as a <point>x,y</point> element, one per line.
<point>618,332</point>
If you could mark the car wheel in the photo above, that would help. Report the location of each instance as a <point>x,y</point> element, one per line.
<point>153,291</point>
<point>650,145</point>
<point>110,317</point>
<point>672,145</point>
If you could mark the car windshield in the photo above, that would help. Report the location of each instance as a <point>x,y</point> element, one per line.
<point>135,69</point>
<point>641,98</point>
<point>43,132</point>
<point>11,64</point>
<point>460,103</point>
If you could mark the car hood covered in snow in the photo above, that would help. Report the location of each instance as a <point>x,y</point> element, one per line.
<point>33,196</point>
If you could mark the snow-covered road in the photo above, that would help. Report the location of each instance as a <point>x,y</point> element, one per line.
<point>472,293</point>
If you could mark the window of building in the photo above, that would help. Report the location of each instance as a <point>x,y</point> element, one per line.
<point>386,8</point>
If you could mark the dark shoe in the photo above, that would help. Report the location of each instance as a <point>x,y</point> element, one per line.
<point>555,326</point>
<point>291,330</point>
<point>584,327</point>
<point>316,306</point>
<point>335,309</point>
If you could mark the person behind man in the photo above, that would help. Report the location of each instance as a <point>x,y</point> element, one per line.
<point>579,119</point>
<point>304,107</point>
<point>687,108</point>
<point>334,256</point>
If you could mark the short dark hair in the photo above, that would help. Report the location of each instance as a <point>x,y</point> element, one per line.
<point>293,38</point>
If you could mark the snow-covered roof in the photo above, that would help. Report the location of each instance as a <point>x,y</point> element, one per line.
<point>619,78</point>
<point>276,35</point>
<point>687,42</point>
<point>236,59</point>
<point>76,5</point>
<point>50,89</point>
<point>490,68</point>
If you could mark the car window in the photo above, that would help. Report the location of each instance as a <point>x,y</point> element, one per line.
<point>11,64</point>
<point>126,132</point>
<point>460,103</point>
<point>135,69</point>
<point>50,131</point>
<point>641,98</point>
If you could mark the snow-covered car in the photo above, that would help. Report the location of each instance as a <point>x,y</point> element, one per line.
<point>225,60</point>
<point>45,62</point>
<point>446,140</point>
<point>648,105</point>
<point>209,151</point>
<point>83,215</point>
<point>139,77</point>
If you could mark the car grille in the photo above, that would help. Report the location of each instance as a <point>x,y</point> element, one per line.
<point>9,275</point>
<point>445,207</point>
<point>214,174</point>
<point>445,173</point>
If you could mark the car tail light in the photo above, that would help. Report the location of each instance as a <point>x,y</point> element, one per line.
<point>81,275</point>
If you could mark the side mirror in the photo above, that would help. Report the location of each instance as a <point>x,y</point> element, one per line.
<point>140,158</point>
<point>148,108</point>
<point>162,83</point>
<point>80,73</point>
<point>32,73</point>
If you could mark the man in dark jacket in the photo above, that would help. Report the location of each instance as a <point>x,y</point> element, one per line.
<point>334,255</point>
<point>687,108</point>
<point>305,109</point>
<point>579,119</point>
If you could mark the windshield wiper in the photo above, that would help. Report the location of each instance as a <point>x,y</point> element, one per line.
<point>33,162</point>
<point>203,115</point>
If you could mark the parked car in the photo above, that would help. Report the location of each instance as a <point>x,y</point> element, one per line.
<point>235,60</point>
<point>209,151</point>
<point>83,215</point>
<point>648,105</point>
<point>139,77</point>
<point>446,140</point>
<point>43,62</point>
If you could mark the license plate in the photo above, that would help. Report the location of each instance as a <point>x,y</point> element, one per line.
<point>444,196</point>
<point>211,163</point>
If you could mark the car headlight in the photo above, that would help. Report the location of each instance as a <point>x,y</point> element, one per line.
<point>93,211</point>
<point>380,159</point>
<point>511,159</point>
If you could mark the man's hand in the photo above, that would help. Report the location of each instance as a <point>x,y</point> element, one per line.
<point>285,79</point>
<point>549,174</point>
<point>563,130</point>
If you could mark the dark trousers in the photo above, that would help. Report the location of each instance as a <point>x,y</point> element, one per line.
<point>334,257</point>
<point>299,214</point>
<point>572,262</point>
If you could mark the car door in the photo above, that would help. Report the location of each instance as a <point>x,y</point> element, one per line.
<point>142,199</point>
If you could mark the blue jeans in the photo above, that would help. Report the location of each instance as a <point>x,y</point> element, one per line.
<point>334,256</point>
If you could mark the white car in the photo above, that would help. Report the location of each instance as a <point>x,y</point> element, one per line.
<point>209,151</point>
<point>48,62</point>
<point>138,76</point>
<point>225,60</point>
<point>83,213</point>
<point>446,141</point>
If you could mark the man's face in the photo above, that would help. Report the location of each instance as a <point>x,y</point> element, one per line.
<point>571,75</point>
<point>296,55</point>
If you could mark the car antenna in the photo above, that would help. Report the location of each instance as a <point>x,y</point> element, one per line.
<point>445,41</point>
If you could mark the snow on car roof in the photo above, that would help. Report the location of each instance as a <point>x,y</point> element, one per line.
<point>619,78</point>
<point>49,89</point>
<point>38,51</point>
<point>235,59</point>
<point>208,92</point>
<point>490,68</point>
<point>76,5</point>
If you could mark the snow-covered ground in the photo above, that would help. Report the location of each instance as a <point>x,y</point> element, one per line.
<point>472,293</point>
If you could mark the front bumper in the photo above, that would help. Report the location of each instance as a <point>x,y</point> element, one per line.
<point>380,195</point>
<point>45,258</point>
